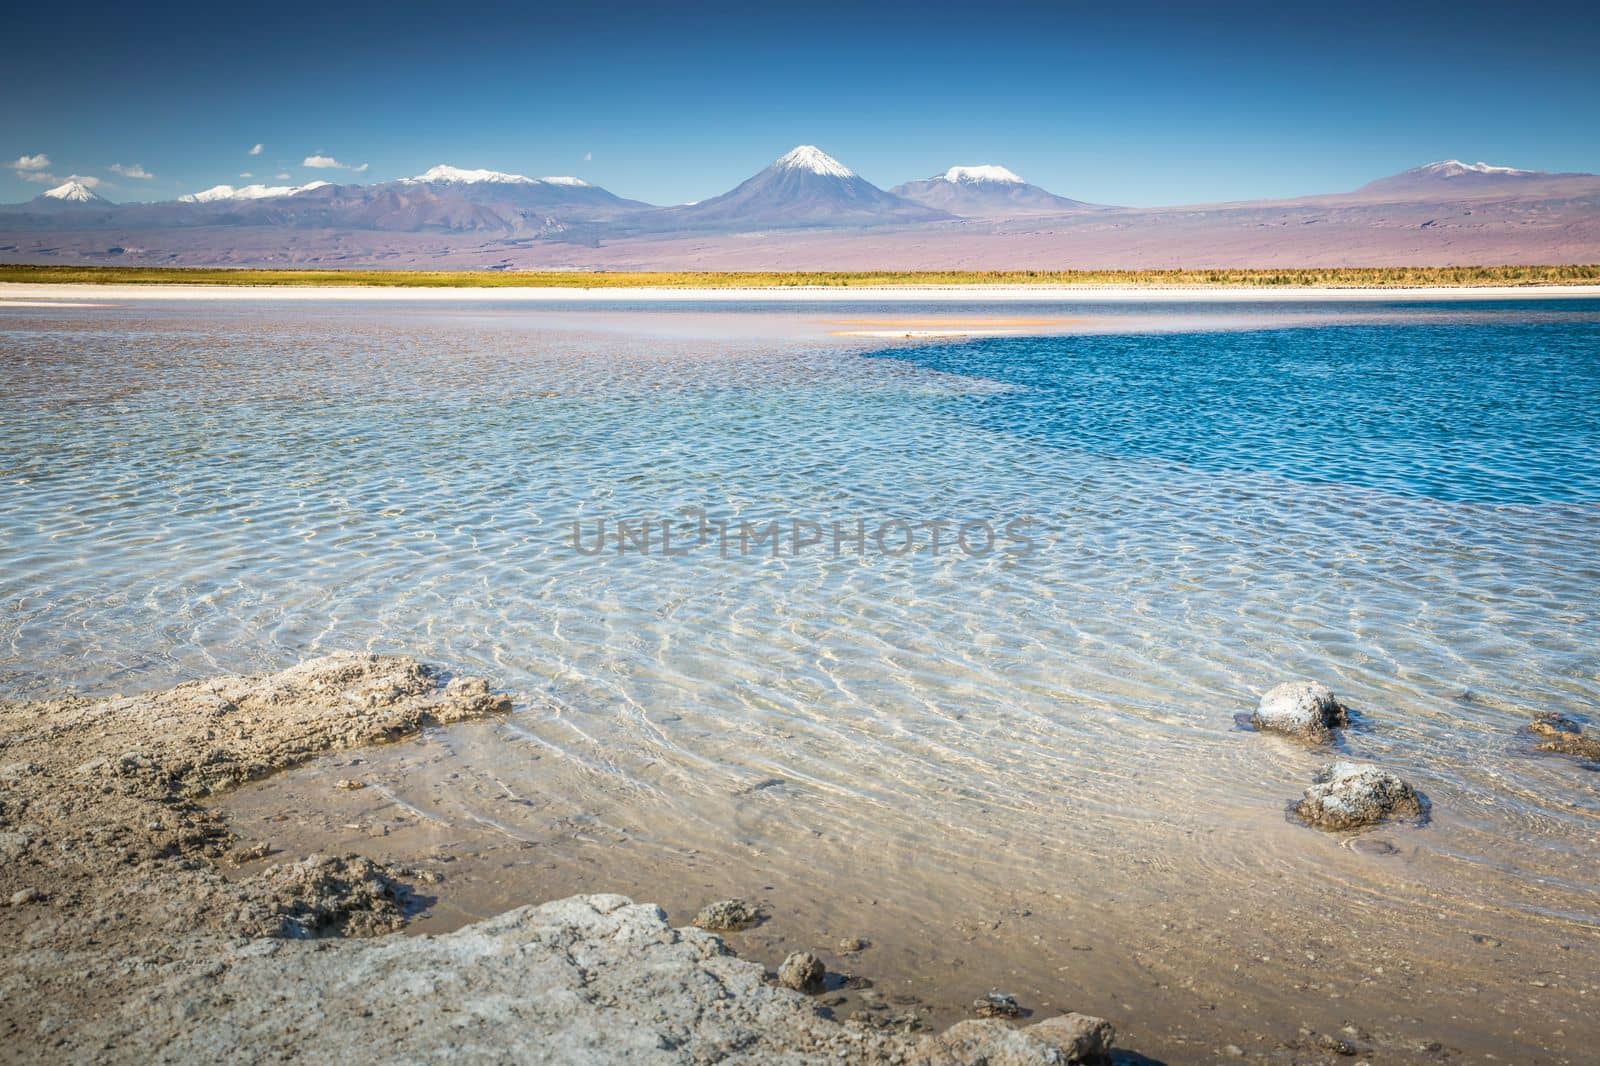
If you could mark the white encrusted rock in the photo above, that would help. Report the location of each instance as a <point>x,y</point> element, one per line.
<point>1305,709</point>
<point>1349,795</point>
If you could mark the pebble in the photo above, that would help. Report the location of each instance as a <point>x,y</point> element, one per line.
<point>997,1005</point>
<point>727,915</point>
<point>803,972</point>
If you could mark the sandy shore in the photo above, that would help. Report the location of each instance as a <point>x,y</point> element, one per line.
<point>12,294</point>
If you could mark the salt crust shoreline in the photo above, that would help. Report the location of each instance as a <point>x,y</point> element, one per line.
<point>32,294</point>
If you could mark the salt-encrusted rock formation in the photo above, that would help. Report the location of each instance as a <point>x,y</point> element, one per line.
<point>1349,795</point>
<point>1304,709</point>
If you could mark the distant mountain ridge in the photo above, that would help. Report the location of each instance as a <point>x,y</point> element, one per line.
<point>1453,177</point>
<point>807,207</point>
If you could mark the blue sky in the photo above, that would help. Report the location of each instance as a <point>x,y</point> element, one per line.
<point>1127,103</point>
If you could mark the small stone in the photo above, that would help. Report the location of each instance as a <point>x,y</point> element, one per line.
<point>25,896</point>
<point>1349,795</point>
<point>852,944</point>
<point>726,916</point>
<point>1304,709</point>
<point>349,784</point>
<point>1486,940</point>
<point>803,972</point>
<point>996,1005</point>
<point>259,850</point>
<point>1336,1045</point>
<point>1233,1051</point>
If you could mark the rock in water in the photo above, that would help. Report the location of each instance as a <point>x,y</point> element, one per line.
<point>1305,709</point>
<point>1564,735</point>
<point>1348,795</point>
<point>997,1005</point>
<point>803,972</point>
<point>726,916</point>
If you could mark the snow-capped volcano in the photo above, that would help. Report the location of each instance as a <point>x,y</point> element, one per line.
<point>74,192</point>
<point>565,196</point>
<point>803,187</point>
<point>812,160</point>
<point>247,192</point>
<point>1452,178</point>
<point>986,191</point>
<point>1454,168</point>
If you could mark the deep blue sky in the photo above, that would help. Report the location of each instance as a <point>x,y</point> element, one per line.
<point>1124,103</point>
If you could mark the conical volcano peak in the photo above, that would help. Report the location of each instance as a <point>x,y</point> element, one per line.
<point>810,158</point>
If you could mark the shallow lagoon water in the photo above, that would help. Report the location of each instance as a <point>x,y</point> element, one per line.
<point>1021,754</point>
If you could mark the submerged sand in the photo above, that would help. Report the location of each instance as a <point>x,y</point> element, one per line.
<point>127,940</point>
<point>146,922</point>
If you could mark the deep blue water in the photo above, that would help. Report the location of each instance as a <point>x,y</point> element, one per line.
<point>1506,412</point>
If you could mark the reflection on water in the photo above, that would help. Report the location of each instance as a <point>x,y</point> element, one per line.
<point>1405,509</point>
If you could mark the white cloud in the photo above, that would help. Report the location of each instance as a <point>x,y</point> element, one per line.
<point>283,175</point>
<point>254,151</point>
<point>133,171</point>
<point>327,162</point>
<point>88,181</point>
<point>588,157</point>
<point>32,168</point>
<point>246,174</point>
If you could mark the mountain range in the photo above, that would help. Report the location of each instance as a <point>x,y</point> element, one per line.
<point>809,211</point>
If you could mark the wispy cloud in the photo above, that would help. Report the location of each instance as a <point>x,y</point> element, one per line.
<point>88,181</point>
<point>588,157</point>
<point>246,174</point>
<point>283,175</point>
<point>254,151</point>
<point>132,171</point>
<point>327,162</point>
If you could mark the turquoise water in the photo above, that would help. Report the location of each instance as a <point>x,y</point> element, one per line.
<point>1400,501</point>
<point>1503,411</point>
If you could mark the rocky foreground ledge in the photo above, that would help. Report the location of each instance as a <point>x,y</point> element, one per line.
<point>124,941</point>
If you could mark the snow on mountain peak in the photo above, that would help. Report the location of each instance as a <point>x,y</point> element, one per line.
<point>246,192</point>
<point>984,173</point>
<point>73,192</point>
<point>810,158</point>
<point>448,175</point>
<point>1449,168</point>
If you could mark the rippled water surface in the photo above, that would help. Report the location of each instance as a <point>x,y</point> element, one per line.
<point>1399,501</point>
